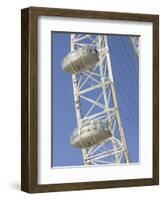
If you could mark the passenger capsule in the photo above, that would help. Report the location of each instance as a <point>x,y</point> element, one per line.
<point>80,60</point>
<point>90,134</point>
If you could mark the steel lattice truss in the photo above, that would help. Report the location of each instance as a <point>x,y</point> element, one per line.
<point>95,98</point>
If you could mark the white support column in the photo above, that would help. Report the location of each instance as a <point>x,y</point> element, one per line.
<point>118,147</point>
<point>121,131</point>
<point>75,88</point>
<point>77,101</point>
<point>102,45</point>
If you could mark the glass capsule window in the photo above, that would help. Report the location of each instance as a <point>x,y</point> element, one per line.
<point>89,51</point>
<point>94,126</point>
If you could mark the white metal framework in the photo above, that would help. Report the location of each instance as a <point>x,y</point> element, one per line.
<point>95,98</point>
<point>135,44</point>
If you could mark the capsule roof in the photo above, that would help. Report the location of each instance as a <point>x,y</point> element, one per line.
<point>80,60</point>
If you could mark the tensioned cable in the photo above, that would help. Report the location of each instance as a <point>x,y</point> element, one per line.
<point>126,103</point>
<point>122,68</point>
<point>129,56</point>
<point>126,48</point>
<point>119,79</point>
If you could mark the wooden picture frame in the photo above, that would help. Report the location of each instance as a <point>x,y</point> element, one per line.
<point>29,110</point>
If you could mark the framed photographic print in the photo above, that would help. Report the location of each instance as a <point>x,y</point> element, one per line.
<point>90,99</point>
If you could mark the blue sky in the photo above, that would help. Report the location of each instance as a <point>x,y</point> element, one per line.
<point>125,71</point>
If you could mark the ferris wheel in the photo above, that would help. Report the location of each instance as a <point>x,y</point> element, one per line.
<point>99,132</point>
